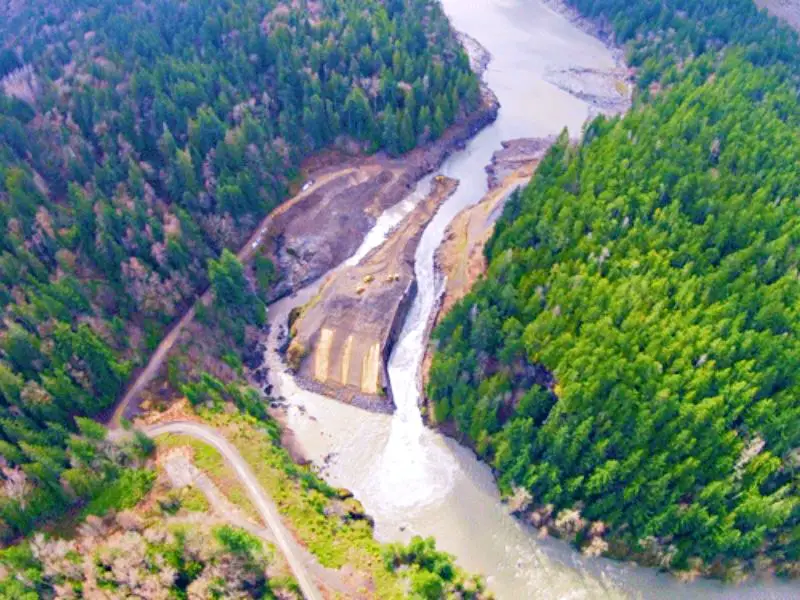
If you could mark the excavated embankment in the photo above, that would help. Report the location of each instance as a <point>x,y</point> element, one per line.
<point>324,227</point>
<point>342,338</point>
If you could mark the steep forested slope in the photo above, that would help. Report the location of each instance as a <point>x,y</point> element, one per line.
<point>630,363</point>
<point>661,33</point>
<point>138,139</point>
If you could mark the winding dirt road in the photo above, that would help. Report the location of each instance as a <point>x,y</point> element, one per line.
<point>261,500</point>
<point>158,357</point>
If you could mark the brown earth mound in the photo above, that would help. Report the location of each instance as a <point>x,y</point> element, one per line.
<point>343,337</point>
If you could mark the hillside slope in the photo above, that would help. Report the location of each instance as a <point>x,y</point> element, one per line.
<point>138,141</point>
<point>629,365</point>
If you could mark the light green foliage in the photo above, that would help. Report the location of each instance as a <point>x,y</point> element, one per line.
<point>124,492</point>
<point>238,541</point>
<point>431,574</point>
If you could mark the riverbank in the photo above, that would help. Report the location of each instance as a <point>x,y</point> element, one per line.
<point>607,91</point>
<point>311,236</point>
<point>459,261</point>
<point>342,339</point>
<point>479,57</point>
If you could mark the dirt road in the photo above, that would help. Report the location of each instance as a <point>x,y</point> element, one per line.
<point>260,499</point>
<point>153,366</point>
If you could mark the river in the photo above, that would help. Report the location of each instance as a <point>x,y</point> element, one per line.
<point>413,480</point>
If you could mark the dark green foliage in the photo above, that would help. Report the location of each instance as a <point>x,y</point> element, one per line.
<point>164,131</point>
<point>431,574</point>
<point>662,33</point>
<point>230,287</point>
<point>634,349</point>
<point>235,302</point>
<point>9,61</point>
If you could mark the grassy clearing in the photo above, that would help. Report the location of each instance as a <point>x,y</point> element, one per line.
<point>332,529</point>
<point>211,462</point>
<point>194,500</point>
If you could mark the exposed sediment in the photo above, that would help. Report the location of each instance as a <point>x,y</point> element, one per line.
<point>322,228</point>
<point>460,257</point>
<point>516,157</point>
<point>460,260</point>
<point>606,91</point>
<point>479,57</point>
<point>342,339</point>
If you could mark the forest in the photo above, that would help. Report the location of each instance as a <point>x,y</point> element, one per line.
<point>658,34</point>
<point>140,142</point>
<point>629,363</point>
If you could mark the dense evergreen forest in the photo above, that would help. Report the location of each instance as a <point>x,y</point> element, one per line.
<point>629,364</point>
<point>138,141</point>
<point>661,33</point>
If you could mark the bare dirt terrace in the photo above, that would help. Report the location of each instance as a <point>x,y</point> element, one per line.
<point>343,337</point>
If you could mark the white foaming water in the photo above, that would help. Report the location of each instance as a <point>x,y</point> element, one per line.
<point>387,221</point>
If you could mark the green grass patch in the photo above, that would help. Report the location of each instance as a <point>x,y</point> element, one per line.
<point>194,500</point>
<point>211,462</point>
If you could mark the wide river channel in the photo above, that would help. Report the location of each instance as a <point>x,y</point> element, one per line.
<point>413,480</point>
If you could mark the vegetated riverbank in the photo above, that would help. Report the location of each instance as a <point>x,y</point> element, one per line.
<point>459,261</point>
<point>342,338</point>
<point>535,439</point>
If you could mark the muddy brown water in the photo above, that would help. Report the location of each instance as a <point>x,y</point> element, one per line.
<point>413,480</point>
